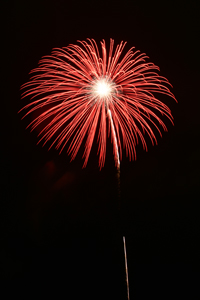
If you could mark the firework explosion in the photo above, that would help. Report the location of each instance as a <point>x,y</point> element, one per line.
<point>82,93</point>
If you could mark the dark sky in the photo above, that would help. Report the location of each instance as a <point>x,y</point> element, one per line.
<point>61,234</point>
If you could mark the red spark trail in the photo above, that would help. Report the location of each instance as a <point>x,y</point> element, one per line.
<point>115,145</point>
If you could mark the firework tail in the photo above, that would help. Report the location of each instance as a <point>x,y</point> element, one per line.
<point>117,163</point>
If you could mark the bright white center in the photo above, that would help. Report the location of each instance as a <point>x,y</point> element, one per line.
<point>102,88</point>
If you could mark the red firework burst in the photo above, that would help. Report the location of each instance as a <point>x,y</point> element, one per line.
<point>81,91</point>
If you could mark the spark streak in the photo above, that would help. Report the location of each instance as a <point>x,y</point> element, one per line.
<point>115,146</point>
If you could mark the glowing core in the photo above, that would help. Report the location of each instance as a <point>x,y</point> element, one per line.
<point>102,88</point>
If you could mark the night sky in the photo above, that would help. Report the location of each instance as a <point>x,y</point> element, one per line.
<point>61,230</point>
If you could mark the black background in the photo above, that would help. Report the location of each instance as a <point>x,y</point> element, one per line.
<point>60,231</point>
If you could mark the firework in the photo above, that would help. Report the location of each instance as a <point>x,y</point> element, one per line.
<point>80,94</point>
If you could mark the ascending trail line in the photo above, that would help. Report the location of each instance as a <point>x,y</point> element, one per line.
<point>117,163</point>
<point>126,268</point>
